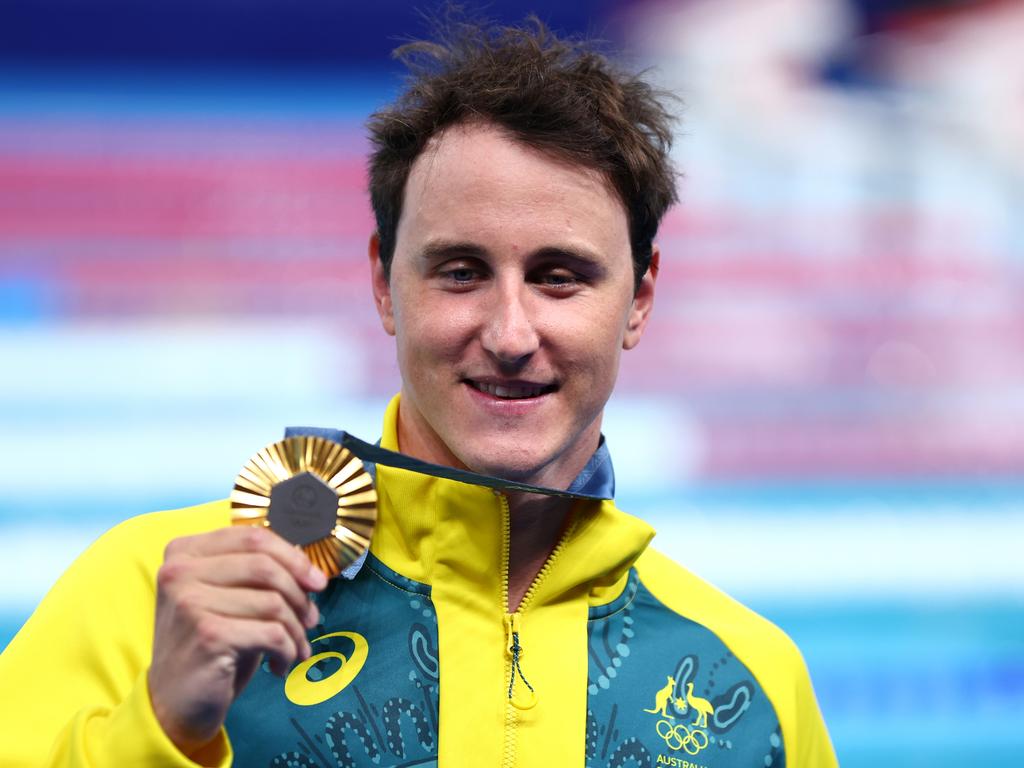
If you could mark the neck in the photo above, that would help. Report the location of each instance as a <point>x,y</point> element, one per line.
<point>536,524</point>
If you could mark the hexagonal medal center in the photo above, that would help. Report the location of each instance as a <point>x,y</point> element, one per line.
<point>303,509</point>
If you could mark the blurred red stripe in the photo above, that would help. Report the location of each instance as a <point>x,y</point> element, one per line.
<point>870,449</point>
<point>170,197</point>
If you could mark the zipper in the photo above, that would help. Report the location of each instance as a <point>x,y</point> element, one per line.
<point>521,694</point>
<point>516,678</point>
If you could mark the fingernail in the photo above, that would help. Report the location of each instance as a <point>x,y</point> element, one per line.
<point>312,616</point>
<point>316,577</point>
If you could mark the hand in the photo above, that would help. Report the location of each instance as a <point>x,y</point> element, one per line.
<point>223,600</point>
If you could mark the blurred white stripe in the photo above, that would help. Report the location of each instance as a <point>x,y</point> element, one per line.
<point>859,554</point>
<point>862,552</point>
<point>199,360</point>
<point>173,454</point>
<point>34,558</point>
<point>198,447</point>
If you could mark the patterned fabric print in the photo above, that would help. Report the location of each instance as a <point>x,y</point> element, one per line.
<point>665,691</point>
<point>367,697</point>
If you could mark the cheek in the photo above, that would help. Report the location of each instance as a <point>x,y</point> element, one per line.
<point>588,337</point>
<point>432,332</point>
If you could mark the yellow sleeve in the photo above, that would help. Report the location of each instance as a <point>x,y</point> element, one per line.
<point>814,746</point>
<point>74,677</point>
<point>765,649</point>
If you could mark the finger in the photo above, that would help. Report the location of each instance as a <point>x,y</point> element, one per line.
<point>259,605</point>
<point>217,634</point>
<point>239,539</point>
<point>256,571</point>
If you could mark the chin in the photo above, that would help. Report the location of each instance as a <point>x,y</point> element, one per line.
<point>521,468</point>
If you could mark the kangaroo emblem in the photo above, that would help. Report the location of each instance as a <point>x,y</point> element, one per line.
<point>663,698</point>
<point>701,706</point>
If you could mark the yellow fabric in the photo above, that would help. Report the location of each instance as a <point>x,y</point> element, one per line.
<point>78,666</point>
<point>74,677</point>
<point>454,542</point>
<point>764,648</point>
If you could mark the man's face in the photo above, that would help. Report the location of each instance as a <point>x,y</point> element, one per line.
<point>511,297</point>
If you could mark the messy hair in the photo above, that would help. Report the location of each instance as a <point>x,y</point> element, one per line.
<point>558,96</point>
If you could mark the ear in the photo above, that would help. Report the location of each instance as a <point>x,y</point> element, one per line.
<point>643,302</point>
<point>381,287</point>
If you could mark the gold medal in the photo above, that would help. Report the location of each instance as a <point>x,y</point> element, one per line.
<point>314,493</point>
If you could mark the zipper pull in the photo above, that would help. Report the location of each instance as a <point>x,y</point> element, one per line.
<point>514,650</point>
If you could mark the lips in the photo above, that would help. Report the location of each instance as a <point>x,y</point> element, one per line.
<point>511,390</point>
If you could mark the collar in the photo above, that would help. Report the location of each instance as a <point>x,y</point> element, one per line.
<point>426,523</point>
<point>595,481</point>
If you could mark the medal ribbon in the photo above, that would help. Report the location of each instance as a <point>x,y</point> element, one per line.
<point>595,483</point>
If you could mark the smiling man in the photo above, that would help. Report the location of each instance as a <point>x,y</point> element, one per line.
<point>518,184</point>
<point>511,295</point>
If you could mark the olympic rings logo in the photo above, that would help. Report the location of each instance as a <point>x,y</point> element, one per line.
<point>680,737</point>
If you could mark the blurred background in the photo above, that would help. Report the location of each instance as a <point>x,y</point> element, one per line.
<point>826,417</point>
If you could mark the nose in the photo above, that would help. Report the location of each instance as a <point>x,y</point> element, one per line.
<point>508,332</point>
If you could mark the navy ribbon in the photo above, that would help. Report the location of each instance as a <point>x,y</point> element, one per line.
<point>596,482</point>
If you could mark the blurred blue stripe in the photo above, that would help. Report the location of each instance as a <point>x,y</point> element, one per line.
<point>107,512</point>
<point>10,623</point>
<point>820,497</point>
<point>906,684</point>
<point>23,299</point>
<point>154,93</point>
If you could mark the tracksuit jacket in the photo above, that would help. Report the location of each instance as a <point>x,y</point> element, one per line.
<point>617,657</point>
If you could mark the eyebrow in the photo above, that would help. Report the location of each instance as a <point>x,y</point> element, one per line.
<point>580,256</point>
<point>440,250</point>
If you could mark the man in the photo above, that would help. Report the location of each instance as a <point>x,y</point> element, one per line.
<point>518,185</point>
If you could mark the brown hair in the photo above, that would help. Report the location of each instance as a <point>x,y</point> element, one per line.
<point>559,96</point>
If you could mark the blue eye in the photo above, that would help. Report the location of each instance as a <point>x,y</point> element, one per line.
<point>559,279</point>
<point>462,275</point>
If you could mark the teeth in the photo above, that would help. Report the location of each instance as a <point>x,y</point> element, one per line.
<point>510,392</point>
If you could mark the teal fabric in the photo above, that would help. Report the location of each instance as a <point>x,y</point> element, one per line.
<point>643,659</point>
<point>662,690</point>
<point>387,716</point>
